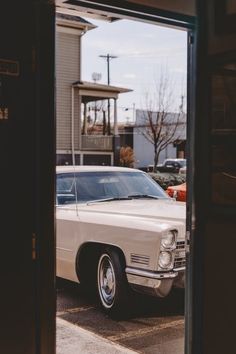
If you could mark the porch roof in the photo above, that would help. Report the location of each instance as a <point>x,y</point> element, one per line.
<point>91,92</point>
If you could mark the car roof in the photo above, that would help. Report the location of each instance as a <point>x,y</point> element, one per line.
<point>170,159</point>
<point>92,168</point>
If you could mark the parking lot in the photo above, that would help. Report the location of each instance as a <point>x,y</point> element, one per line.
<point>155,326</point>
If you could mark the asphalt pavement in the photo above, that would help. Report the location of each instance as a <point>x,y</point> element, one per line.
<point>156,327</point>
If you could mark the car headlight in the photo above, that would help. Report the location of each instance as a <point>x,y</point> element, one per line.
<point>169,240</point>
<point>166,260</point>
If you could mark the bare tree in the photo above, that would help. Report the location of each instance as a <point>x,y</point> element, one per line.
<point>161,124</point>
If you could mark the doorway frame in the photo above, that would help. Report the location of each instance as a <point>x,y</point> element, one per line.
<point>132,11</point>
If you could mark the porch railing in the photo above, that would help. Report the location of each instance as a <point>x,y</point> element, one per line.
<point>97,143</point>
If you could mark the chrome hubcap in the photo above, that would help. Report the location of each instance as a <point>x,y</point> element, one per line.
<point>106,281</point>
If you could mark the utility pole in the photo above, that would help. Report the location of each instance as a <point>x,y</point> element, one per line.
<point>108,57</point>
<point>181,107</point>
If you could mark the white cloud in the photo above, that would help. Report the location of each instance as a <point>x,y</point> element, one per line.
<point>129,76</point>
<point>141,50</point>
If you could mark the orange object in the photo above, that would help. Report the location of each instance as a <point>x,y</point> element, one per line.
<point>177,192</point>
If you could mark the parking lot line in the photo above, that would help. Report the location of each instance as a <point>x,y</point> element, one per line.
<point>144,331</point>
<point>74,310</point>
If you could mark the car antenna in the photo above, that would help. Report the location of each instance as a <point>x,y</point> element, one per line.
<point>76,195</point>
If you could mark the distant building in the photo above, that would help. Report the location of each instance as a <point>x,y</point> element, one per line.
<point>144,150</point>
<point>126,132</point>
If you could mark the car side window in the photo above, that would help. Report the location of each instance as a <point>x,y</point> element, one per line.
<point>65,189</point>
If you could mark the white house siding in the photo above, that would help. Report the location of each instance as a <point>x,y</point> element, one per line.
<point>144,150</point>
<point>67,72</point>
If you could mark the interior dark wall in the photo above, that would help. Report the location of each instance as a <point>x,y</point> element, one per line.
<point>44,169</point>
<point>213,239</point>
<point>17,183</point>
<point>27,178</point>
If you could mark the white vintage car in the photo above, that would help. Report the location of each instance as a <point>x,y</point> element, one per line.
<point>118,230</point>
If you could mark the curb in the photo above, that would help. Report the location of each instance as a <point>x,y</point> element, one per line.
<point>72,339</point>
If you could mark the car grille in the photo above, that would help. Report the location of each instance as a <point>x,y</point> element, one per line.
<point>139,258</point>
<point>180,255</point>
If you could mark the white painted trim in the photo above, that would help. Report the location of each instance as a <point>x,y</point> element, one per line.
<point>72,126</point>
<point>112,160</point>
<point>62,29</point>
<point>97,93</point>
<point>75,12</point>
<point>96,153</point>
<point>79,152</point>
<point>63,152</point>
<point>115,118</point>
<point>81,159</point>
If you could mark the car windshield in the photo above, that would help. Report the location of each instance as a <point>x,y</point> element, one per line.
<point>84,187</point>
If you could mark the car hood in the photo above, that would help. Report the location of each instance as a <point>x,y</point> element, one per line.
<point>144,214</point>
<point>162,209</point>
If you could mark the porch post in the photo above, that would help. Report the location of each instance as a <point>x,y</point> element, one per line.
<point>85,130</point>
<point>80,121</point>
<point>115,118</point>
<point>116,137</point>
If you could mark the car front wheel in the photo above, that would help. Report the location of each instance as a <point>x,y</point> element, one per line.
<point>112,285</point>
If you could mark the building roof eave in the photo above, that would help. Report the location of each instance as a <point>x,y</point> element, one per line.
<point>96,92</point>
<point>73,21</point>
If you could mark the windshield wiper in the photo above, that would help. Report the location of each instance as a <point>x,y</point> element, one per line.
<point>111,199</point>
<point>137,196</point>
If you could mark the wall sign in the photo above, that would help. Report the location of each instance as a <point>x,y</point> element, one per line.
<point>9,67</point>
<point>3,113</point>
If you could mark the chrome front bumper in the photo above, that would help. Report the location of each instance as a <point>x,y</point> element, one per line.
<point>153,283</point>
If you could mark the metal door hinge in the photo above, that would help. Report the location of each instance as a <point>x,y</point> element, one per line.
<point>187,243</point>
<point>191,39</point>
<point>34,255</point>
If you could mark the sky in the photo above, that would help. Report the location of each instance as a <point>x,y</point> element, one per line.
<point>143,50</point>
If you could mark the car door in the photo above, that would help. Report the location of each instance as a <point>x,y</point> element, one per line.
<point>67,227</point>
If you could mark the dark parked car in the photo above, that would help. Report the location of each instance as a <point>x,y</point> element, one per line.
<point>171,165</point>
